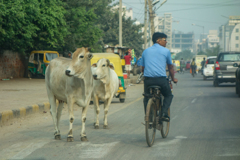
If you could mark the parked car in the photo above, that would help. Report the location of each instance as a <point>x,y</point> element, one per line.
<point>237,74</point>
<point>188,64</point>
<point>224,71</point>
<point>208,67</point>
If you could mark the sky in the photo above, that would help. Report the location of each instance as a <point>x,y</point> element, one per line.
<point>208,13</point>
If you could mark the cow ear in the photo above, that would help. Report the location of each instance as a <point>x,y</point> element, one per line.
<point>94,65</point>
<point>108,62</point>
<point>111,66</point>
<point>90,55</point>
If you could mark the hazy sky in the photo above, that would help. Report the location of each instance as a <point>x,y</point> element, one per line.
<point>208,13</point>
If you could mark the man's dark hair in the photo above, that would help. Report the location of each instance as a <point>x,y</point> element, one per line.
<point>158,35</point>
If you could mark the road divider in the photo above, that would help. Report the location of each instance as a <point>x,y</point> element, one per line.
<point>7,116</point>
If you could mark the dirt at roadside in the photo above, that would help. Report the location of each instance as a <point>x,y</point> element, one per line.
<point>22,92</point>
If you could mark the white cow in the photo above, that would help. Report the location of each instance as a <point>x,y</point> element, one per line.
<point>105,86</point>
<point>70,80</point>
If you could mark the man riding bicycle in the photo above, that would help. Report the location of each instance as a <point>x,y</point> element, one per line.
<point>154,60</point>
<point>182,65</point>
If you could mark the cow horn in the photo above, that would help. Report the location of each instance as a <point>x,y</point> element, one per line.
<point>108,62</point>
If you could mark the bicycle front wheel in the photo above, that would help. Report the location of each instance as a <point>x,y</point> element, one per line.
<point>165,126</point>
<point>150,122</point>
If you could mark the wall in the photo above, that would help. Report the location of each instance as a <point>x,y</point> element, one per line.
<point>11,65</point>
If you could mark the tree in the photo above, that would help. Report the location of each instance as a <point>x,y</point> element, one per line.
<point>31,24</point>
<point>80,19</point>
<point>213,51</point>
<point>186,55</point>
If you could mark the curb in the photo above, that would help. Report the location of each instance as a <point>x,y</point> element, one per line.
<point>6,116</point>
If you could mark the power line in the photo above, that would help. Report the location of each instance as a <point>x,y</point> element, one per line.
<point>208,6</point>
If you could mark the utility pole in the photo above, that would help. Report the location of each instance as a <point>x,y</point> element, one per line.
<point>151,16</point>
<point>120,23</point>
<point>145,26</point>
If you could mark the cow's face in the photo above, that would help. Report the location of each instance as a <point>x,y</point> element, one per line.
<point>80,61</point>
<point>102,69</point>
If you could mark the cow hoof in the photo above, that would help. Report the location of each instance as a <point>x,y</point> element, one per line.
<point>96,127</point>
<point>105,126</point>
<point>58,137</point>
<point>70,139</point>
<point>94,124</point>
<point>84,139</point>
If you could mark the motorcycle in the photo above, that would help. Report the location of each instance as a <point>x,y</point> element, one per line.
<point>140,78</point>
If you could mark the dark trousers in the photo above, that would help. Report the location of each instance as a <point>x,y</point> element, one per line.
<point>165,90</point>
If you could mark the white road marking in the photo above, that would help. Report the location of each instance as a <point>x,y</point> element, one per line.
<point>166,149</point>
<point>194,100</point>
<point>88,150</point>
<point>173,118</point>
<point>22,149</point>
<point>180,137</point>
<point>185,108</point>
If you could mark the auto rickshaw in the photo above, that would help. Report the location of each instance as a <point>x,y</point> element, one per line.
<point>117,63</point>
<point>38,62</point>
<point>177,62</point>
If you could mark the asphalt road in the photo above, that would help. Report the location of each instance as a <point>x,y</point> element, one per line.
<point>205,124</point>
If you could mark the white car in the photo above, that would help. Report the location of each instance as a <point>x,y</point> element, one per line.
<point>209,67</point>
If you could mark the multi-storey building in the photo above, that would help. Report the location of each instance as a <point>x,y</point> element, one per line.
<point>235,39</point>
<point>162,24</point>
<point>228,34</point>
<point>212,38</point>
<point>182,41</point>
<point>168,29</point>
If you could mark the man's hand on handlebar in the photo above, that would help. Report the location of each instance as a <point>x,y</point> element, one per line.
<point>175,80</point>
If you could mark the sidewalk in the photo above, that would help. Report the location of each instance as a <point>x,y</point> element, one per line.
<point>22,96</point>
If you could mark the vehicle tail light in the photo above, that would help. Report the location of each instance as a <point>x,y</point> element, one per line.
<point>120,83</point>
<point>217,66</point>
<point>206,63</point>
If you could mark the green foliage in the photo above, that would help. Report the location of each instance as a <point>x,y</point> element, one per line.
<point>186,55</point>
<point>80,21</point>
<point>63,25</point>
<point>31,24</point>
<point>211,51</point>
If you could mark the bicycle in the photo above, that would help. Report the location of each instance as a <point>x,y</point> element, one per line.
<point>153,112</point>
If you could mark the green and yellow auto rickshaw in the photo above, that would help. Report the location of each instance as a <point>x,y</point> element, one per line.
<point>117,63</point>
<point>38,61</point>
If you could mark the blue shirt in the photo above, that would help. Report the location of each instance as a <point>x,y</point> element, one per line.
<point>154,60</point>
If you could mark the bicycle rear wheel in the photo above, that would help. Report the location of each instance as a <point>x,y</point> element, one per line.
<point>165,126</point>
<point>150,122</point>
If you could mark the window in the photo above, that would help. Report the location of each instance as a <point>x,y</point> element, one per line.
<point>50,56</point>
<point>229,57</point>
<point>237,45</point>
<point>212,61</point>
<point>237,30</point>
<point>237,38</point>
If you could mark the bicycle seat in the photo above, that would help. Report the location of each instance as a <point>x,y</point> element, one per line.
<point>157,87</point>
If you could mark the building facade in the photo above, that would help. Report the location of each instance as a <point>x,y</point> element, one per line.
<point>235,39</point>
<point>212,38</point>
<point>182,41</point>
<point>228,34</point>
